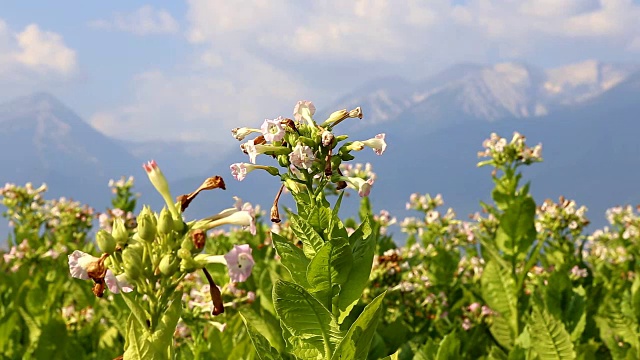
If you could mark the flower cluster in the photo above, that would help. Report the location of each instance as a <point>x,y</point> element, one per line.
<point>310,156</point>
<point>504,152</point>
<point>434,227</point>
<point>163,249</point>
<point>618,243</point>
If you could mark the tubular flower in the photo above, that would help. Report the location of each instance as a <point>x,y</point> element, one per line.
<point>363,186</point>
<point>160,183</point>
<point>241,133</point>
<point>272,130</point>
<point>301,157</point>
<point>233,216</point>
<point>377,144</point>
<point>240,170</point>
<point>253,150</point>
<point>304,109</point>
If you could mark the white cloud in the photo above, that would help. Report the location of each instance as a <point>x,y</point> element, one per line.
<point>33,57</point>
<point>144,21</point>
<point>201,103</point>
<point>252,58</point>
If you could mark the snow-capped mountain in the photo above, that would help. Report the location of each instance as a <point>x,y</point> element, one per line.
<point>488,93</point>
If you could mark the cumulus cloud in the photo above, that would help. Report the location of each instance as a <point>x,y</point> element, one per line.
<point>34,58</point>
<point>144,21</point>
<point>200,103</point>
<point>250,59</point>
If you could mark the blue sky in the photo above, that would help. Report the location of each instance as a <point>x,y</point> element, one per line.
<point>192,70</point>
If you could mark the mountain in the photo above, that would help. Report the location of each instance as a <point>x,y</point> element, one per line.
<point>584,114</point>
<point>44,141</point>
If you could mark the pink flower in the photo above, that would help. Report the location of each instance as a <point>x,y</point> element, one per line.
<point>239,262</point>
<point>240,170</point>
<point>377,144</point>
<point>474,307</point>
<point>117,283</point>
<point>304,109</point>
<point>272,129</point>
<point>251,296</point>
<point>363,186</point>
<point>78,263</point>
<point>301,157</point>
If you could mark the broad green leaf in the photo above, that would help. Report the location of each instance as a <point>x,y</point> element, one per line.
<point>362,232</point>
<point>267,325</point>
<point>293,259</point>
<point>163,334</point>
<point>139,347</point>
<point>364,248</point>
<point>305,317</point>
<point>319,218</point>
<point>449,347</point>
<point>499,292</point>
<point>329,267</point>
<point>517,231</point>
<point>35,329</point>
<point>550,340</point>
<point>263,348</point>
<point>311,240</point>
<point>356,342</point>
<point>136,310</point>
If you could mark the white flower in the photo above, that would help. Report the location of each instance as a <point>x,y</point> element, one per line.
<point>301,157</point>
<point>241,133</point>
<point>304,109</point>
<point>377,144</point>
<point>272,129</point>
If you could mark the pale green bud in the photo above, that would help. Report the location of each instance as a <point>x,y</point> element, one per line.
<point>169,264</point>
<point>119,232</point>
<point>106,242</point>
<point>184,253</point>
<point>146,227</point>
<point>165,222</point>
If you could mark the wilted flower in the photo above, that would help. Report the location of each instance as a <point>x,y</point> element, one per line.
<point>79,262</point>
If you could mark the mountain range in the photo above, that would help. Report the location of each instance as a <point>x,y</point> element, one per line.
<point>585,114</point>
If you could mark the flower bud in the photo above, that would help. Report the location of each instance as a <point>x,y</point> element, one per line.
<point>336,116</point>
<point>132,262</point>
<point>119,232</point>
<point>184,253</point>
<point>169,264</point>
<point>106,242</point>
<point>165,222</point>
<point>283,160</point>
<point>146,227</point>
<point>187,244</point>
<point>189,265</point>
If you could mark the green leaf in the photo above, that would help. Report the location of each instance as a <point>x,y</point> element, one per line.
<point>305,317</point>
<point>319,218</point>
<point>357,340</point>
<point>293,259</point>
<point>550,340</point>
<point>163,334</point>
<point>449,347</point>
<point>136,310</point>
<point>517,231</point>
<point>138,345</point>
<point>499,292</point>
<point>267,325</point>
<point>330,267</point>
<point>311,240</point>
<point>364,248</point>
<point>264,350</point>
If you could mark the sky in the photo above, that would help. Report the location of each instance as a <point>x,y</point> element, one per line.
<point>192,70</point>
